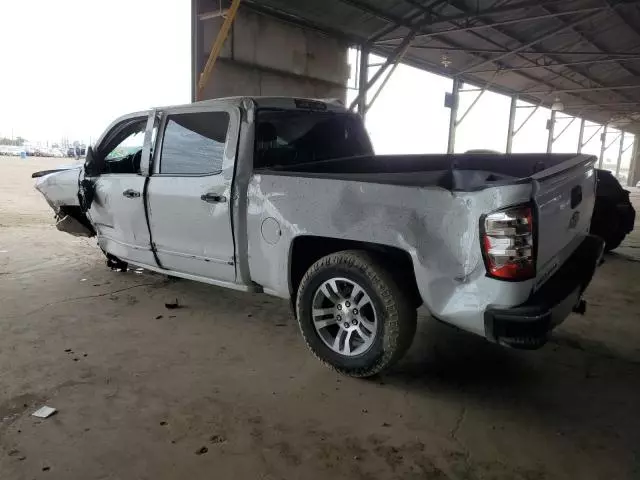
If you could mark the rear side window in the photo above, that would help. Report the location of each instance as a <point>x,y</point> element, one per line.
<point>194,143</point>
<point>294,137</point>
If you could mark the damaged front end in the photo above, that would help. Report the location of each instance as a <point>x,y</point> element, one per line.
<point>60,187</point>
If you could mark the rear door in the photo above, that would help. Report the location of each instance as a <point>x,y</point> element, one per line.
<point>565,196</point>
<point>189,193</point>
<point>118,210</point>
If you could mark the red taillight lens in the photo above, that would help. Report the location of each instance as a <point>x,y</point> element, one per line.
<point>508,243</point>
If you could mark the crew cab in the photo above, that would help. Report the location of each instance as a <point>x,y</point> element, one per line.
<point>285,196</point>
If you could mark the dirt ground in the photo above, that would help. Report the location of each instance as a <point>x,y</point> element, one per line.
<point>225,388</point>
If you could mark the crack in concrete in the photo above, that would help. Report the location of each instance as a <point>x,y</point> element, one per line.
<point>454,431</point>
<point>68,300</point>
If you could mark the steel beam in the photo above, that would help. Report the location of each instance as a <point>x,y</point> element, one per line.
<point>453,114</point>
<point>613,141</point>
<point>524,122</point>
<point>592,136</point>
<point>620,151</point>
<point>481,92</point>
<point>596,61</point>
<point>382,85</point>
<point>512,121</point>
<point>566,127</point>
<point>540,39</point>
<point>586,89</point>
<point>424,10</point>
<point>603,145</point>
<point>550,126</point>
<point>468,17</point>
<point>395,57</point>
<point>581,135</point>
<point>536,52</point>
<point>498,23</point>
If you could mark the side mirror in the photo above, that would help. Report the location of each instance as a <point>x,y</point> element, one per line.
<point>90,165</point>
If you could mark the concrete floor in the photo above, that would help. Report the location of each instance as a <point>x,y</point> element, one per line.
<point>225,388</point>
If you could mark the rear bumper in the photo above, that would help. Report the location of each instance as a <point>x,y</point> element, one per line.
<point>528,325</point>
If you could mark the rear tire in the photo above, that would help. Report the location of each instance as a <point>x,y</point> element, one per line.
<point>353,315</point>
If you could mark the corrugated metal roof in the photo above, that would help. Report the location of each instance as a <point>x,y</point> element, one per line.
<point>576,50</point>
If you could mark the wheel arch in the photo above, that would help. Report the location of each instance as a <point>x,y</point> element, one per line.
<point>305,250</point>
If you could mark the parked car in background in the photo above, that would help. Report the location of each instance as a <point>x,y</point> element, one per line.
<point>285,196</point>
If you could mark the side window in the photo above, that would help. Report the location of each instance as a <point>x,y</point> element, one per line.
<point>126,155</point>
<point>194,143</point>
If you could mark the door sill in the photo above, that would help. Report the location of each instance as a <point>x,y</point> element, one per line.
<point>198,278</point>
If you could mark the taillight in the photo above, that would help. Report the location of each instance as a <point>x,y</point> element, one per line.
<point>507,239</point>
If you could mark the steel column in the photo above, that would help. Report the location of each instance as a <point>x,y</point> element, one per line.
<point>592,136</point>
<point>395,57</point>
<point>512,121</point>
<point>620,151</point>
<point>581,135</point>
<point>453,114</point>
<point>550,126</point>
<point>566,127</point>
<point>524,122</point>
<point>363,78</point>
<point>603,145</point>
<point>382,85</point>
<point>634,165</point>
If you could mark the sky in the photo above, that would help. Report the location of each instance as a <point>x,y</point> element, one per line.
<point>70,67</point>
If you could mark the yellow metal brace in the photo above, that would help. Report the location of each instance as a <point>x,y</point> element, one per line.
<point>217,46</point>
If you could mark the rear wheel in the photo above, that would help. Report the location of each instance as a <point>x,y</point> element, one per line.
<point>353,314</point>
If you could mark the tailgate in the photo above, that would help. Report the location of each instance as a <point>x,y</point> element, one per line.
<point>564,196</point>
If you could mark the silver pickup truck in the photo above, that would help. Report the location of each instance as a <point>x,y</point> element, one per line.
<point>285,196</point>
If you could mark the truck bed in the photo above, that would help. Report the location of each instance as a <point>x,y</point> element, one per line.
<point>459,172</point>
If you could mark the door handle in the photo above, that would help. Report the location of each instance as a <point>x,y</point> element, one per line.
<point>131,193</point>
<point>213,198</point>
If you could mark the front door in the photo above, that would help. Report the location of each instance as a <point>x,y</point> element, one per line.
<point>118,210</point>
<point>189,192</point>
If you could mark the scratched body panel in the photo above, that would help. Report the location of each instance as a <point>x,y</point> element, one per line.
<point>438,228</point>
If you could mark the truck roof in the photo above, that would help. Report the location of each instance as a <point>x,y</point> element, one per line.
<point>331,104</point>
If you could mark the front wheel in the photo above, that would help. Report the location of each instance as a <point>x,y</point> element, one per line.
<point>353,314</point>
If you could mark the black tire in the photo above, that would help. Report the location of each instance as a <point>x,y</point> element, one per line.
<point>396,324</point>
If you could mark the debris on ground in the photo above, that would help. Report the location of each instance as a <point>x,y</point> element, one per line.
<point>202,451</point>
<point>158,317</point>
<point>173,306</point>
<point>217,439</point>
<point>68,350</point>
<point>44,412</point>
<point>46,469</point>
<point>13,452</point>
<point>163,423</point>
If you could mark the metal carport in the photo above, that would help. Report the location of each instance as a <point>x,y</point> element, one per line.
<point>583,54</point>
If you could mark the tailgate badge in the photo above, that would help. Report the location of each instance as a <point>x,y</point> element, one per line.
<point>575,218</point>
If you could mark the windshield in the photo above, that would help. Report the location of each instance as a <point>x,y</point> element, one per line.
<point>292,137</point>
